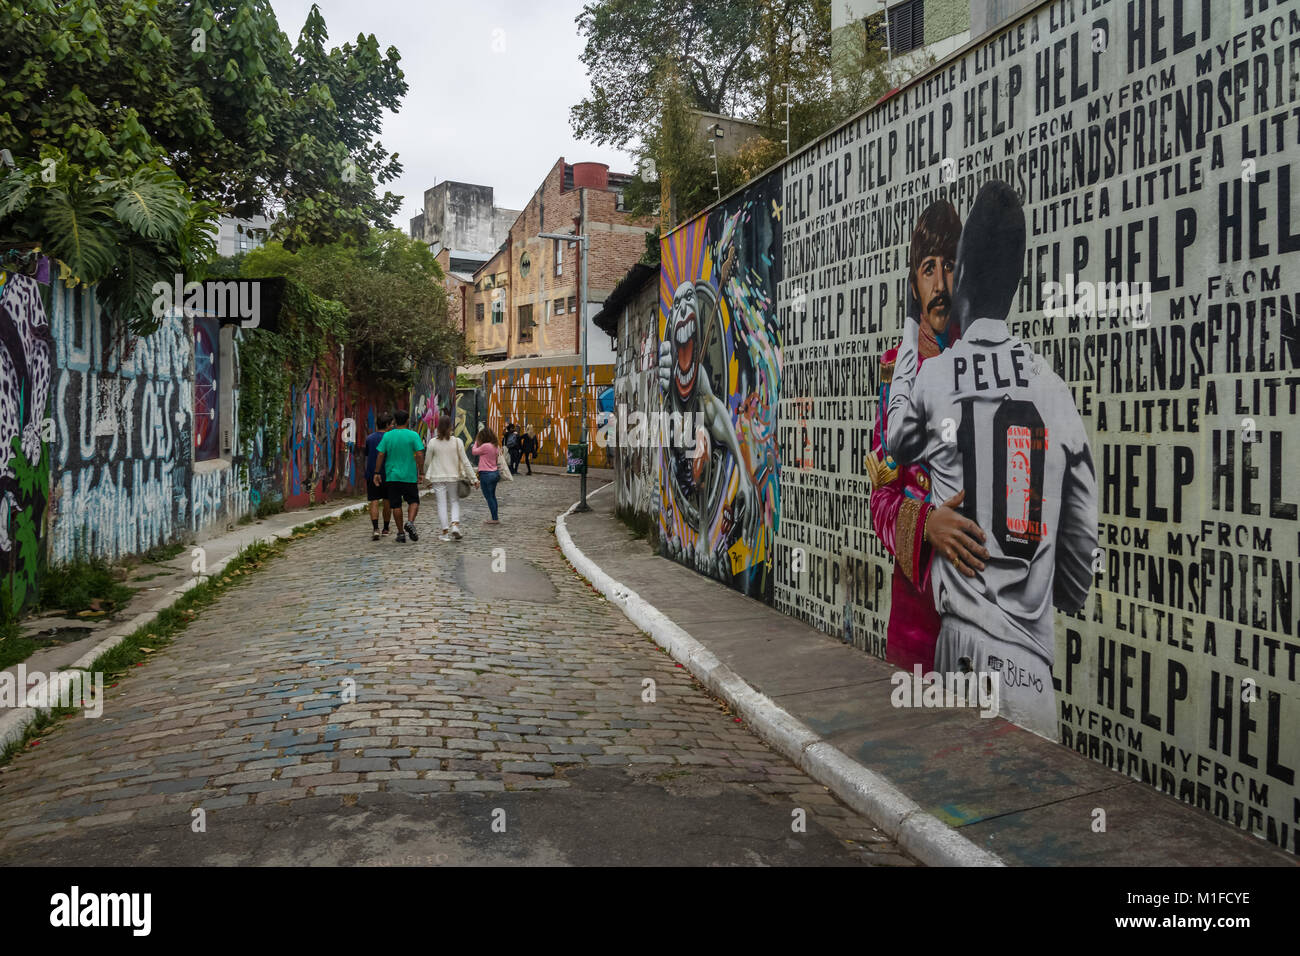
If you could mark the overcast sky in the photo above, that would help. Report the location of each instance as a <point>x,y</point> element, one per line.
<point>491,83</point>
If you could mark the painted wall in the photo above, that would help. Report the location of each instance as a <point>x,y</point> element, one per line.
<point>26,355</point>
<point>433,397</point>
<point>548,402</point>
<point>122,457</point>
<point>636,389</point>
<point>718,330</point>
<point>1149,145</point>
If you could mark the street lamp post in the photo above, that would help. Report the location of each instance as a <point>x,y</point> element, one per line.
<point>582,317</point>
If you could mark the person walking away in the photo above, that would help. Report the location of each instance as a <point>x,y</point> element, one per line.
<point>529,445</point>
<point>487,450</point>
<point>514,447</point>
<point>401,459</point>
<point>375,491</point>
<point>447,463</point>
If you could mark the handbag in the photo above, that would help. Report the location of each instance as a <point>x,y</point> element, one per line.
<point>463,487</point>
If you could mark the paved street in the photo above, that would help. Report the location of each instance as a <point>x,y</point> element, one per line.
<point>485,701</point>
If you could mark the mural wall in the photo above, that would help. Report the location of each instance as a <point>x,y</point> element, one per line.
<point>318,460</point>
<point>433,396</point>
<point>720,362</point>
<point>548,401</point>
<point>1094,205</point>
<point>26,354</point>
<point>636,389</point>
<point>122,456</point>
<point>471,413</point>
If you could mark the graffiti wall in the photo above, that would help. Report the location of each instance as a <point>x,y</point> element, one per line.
<point>122,452</point>
<point>636,389</point>
<point>434,395</point>
<point>320,459</point>
<point>548,401</point>
<point>26,355</point>
<point>1042,290</point>
<point>719,361</point>
<point>471,414</point>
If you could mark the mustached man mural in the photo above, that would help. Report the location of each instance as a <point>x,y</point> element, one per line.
<point>998,433</point>
<point>719,362</point>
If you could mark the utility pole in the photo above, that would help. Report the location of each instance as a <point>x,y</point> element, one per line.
<point>715,134</point>
<point>582,318</point>
<point>786,86</point>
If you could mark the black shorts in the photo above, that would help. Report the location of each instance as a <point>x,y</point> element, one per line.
<point>397,490</point>
<point>376,492</point>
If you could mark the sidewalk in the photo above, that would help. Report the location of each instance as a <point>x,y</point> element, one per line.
<point>1011,793</point>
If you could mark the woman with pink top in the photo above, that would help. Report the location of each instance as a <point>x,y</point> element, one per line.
<point>487,450</point>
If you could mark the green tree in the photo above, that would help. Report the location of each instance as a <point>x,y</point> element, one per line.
<point>708,46</point>
<point>208,102</point>
<point>654,70</point>
<point>392,288</point>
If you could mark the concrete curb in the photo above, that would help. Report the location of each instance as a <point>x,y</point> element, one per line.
<point>924,836</point>
<point>14,723</point>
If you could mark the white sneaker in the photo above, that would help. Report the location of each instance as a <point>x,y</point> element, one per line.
<point>455,531</point>
<point>444,536</point>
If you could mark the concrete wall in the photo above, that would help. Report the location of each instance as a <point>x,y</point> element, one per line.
<point>1134,144</point>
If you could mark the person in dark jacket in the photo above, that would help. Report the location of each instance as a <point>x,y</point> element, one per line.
<point>513,446</point>
<point>529,445</point>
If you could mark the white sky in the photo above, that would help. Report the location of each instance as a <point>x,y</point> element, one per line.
<point>472,113</point>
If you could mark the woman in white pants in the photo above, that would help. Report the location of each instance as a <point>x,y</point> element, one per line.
<point>446,464</point>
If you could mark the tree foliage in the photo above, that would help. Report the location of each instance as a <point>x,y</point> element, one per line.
<point>654,68</point>
<point>201,108</point>
<point>392,288</point>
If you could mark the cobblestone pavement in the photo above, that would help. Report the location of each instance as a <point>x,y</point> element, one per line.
<point>498,717</point>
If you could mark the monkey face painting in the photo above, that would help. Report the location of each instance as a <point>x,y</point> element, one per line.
<point>684,326</point>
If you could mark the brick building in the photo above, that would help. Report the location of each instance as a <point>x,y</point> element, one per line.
<point>524,303</point>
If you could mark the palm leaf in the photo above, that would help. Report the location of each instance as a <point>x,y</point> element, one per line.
<point>127,293</point>
<point>152,202</point>
<point>15,191</point>
<point>77,228</point>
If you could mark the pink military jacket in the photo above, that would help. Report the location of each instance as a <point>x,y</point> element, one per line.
<point>900,503</point>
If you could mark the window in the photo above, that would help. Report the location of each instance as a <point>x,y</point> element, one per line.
<point>559,306</point>
<point>619,202</point>
<point>906,27</point>
<point>573,304</point>
<point>525,264</point>
<point>498,312</point>
<point>559,257</point>
<point>525,323</point>
<point>478,312</point>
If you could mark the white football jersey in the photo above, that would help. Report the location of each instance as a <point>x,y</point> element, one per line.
<point>989,416</point>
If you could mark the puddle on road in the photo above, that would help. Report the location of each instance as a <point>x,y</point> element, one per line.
<point>521,580</point>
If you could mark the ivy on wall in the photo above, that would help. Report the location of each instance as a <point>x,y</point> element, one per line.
<point>273,362</point>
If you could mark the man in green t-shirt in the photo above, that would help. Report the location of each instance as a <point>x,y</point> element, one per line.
<point>401,460</point>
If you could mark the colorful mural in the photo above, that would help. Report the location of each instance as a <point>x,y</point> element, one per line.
<point>25,368</point>
<point>719,360</point>
<point>207,388</point>
<point>548,401</point>
<point>1062,319</point>
<point>432,397</point>
<point>122,456</point>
